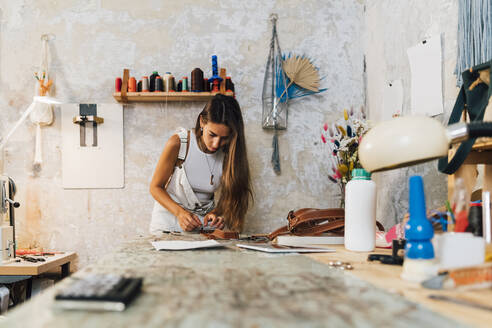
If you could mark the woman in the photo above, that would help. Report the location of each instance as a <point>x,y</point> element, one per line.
<point>195,164</point>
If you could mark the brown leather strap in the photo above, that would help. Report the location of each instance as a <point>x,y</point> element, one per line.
<point>311,221</point>
<point>320,228</point>
<point>301,216</point>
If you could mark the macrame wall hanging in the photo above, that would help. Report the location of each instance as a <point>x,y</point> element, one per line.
<point>42,115</point>
<point>474,35</point>
<point>286,77</point>
<point>274,115</point>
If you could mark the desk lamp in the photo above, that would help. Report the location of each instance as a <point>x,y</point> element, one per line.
<point>7,190</point>
<point>406,141</point>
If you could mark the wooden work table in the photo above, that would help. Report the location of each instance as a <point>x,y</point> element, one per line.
<point>25,268</point>
<point>387,277</point>
<point>232,287</point>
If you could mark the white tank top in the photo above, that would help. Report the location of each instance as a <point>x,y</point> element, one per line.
<point>199,168</point>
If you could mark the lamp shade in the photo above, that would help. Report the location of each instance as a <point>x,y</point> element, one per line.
<point>36,99</point>
<point>403,141</point>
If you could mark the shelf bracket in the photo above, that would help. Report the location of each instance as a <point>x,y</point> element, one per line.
<point>124,85</point>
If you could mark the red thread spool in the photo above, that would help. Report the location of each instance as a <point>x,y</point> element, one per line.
<point>215,87</point>
<point>117,84</point>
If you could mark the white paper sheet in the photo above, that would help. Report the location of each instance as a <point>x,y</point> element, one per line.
<point>178,245</point>
<point>426,86</point>
<point>284,249</point>
<point>392,99</point>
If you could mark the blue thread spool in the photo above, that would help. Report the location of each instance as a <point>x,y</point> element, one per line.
<point>215,79</point>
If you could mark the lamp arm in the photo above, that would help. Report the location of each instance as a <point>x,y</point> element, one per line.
<point>17,124</point>
<point>462,131</point>
<point>480,129</point>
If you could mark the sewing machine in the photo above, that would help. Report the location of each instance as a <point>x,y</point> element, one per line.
<point>7,219</point>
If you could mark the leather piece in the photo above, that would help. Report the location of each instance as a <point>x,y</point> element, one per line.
<point>312,222</point>
<point>221,234</point>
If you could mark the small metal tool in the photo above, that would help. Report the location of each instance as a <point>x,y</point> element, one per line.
<point>460,302</point>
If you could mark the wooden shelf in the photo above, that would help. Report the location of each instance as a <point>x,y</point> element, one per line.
<point>166,96</point>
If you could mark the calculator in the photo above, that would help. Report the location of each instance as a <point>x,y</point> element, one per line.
<point>99,292</point>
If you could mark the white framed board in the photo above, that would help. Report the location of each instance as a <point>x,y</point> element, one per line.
<point>87,166</point>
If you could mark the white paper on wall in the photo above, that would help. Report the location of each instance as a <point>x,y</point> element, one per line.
<point>392,99</point>
<point>426,86</point>
<point>101,166</point>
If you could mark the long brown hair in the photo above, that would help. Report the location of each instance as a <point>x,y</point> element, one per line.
<point>236,192</point>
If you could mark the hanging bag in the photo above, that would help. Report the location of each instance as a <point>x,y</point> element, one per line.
<point>473,98</point>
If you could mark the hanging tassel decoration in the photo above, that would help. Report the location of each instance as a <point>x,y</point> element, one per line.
<point>275,154</point>
<point>474,35</point>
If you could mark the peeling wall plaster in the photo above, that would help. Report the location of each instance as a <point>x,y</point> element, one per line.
<point>391,28</point>
<point>96,39</point>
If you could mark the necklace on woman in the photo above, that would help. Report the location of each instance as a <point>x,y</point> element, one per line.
<point>211,170</point>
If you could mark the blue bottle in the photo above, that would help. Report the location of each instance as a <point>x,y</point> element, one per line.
<point>419,264</point>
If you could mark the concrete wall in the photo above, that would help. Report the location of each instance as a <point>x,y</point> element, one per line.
<point>391,28</point>
<point>96,39</point>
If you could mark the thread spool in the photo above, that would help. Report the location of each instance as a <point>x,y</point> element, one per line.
<point>180,86</point>
<point>184,86</point>
<point>197,80</point>
<point>152,87</point>
<point>159,85</point>
<point>145,84</point>
<point>139,86</point>
<point>117,84</point>
<point>132,85</point>
<point>206,85</point>
<point>171,84</point>
<point>215,85</point>
<point>229,84</point>
<point>168,80</point>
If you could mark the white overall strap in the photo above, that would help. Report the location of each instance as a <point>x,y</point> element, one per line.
<point>183,137</point>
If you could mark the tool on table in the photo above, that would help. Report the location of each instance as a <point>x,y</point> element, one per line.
<point>470,277</point>
<point>88,114</point>
<point>34,252</point>
<point>460,301</point>
<point>397,255</point>
<point>385,259</point>
<point>7,222</point>
<point>32,258</point>
<point>99,292</point>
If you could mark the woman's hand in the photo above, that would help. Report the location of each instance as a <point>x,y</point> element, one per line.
<point>215,221</point>
<point>188,221</point>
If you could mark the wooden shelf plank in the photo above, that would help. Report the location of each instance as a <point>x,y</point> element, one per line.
<point>166,96</point>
